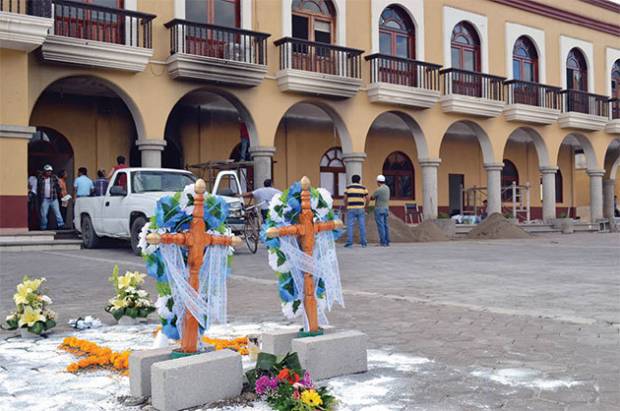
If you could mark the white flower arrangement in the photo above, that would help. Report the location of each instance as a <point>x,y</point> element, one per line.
<point>31,308</point>
<point>130,300</point>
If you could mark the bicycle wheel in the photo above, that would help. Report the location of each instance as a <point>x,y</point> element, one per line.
<point>251,230</point>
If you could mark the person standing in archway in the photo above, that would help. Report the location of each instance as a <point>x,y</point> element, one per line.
<point>120,164</point>
<point>48,190</point>
<point>382,210</point>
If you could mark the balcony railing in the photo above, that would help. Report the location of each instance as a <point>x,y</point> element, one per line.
<point>532,94</point>
<point>220,42</point>
<point>614,106</point>
<point>403,72</point>
<point>99,23</point>
<point>582,102</point>
<point>318,57</point>
<point>39,8</point>
<point>471,83</point>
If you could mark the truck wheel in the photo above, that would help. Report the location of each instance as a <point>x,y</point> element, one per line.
<point>136,227</point>
<point>89,237</point>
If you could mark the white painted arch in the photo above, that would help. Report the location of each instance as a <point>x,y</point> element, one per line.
<point>415,10</point>
<point>413,127</point>
<point>532,135</point>
<point>475,130</point>
<point>537,36</point>
<point>341,20</point>
<point>566,45</point>
<point>451,17</point>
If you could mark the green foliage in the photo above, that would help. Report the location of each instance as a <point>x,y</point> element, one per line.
<point>114,278</point>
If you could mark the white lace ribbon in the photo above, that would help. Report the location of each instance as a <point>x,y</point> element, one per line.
<point>323,264</point>
<point>209,302</point>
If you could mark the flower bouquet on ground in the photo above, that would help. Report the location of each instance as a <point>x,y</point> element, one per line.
<point>130,301</point>
<point>285,386</point>
<point>31,313</point>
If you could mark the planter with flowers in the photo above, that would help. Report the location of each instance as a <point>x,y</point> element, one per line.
<point>285,386</point>
<point>131,303</point>
<point>31,316</point>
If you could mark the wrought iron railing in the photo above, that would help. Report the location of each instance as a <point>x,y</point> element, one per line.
<point>318,57</point>
<point>403,72</point>
<point>533,94</point>
<point>39,8</point>
<point>99,23</point>
<point>582,102</point>
<point>614,106</point>
<point>217,41</point>
<point>471,83</point>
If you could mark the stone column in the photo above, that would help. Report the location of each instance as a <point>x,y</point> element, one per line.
<point>353,163</point>
<point>548,193</point>
<point>609,189</point>
<point>262,157</point>
<point>429,187</point>
<point>150,150</point>
<point>596,194</point>
<point>14,141</point>
<point>494,187</point>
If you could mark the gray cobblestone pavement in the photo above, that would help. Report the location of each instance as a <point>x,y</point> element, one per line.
<point>511,324</point>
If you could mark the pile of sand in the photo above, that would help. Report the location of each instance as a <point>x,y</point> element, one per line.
<point>496,226</point>
<point>400,232</point>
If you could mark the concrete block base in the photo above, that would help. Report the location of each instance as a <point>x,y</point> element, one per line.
<point>279,342</point>
<point>196,380</point>
<point>334,354</point>
<point>140,363</point>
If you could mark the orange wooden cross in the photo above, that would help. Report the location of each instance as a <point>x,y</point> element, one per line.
<point>196,240</point>
<point>305,230</point>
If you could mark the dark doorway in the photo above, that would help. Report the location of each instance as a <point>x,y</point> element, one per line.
<point>455,183</point>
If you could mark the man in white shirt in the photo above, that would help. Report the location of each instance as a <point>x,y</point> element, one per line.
<point>262,197</point>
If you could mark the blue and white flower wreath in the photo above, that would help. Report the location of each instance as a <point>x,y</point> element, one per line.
<point>173,214</point>
<point>285,209</point>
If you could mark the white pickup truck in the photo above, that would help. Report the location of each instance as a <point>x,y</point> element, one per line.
<point>130,200</point>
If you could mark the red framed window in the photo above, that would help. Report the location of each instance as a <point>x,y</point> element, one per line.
<point>525,60</point>
<point>465,47</point>
<point>333,173</point>
<point>510,174</point>
<point>399,176</point>
<point>208,42</point>
<point>396,33</point>
<point>615,80</point>
<point>71,21</point>
<point>576,71</point>
<point>314,20</point>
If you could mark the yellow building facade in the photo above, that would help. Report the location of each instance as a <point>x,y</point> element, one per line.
<point>444,97</point>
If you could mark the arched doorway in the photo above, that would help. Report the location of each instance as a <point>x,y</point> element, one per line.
<point>510,175</point>
<point>396,39</point>
<point>48,146</point>
<point>399,176</point>
<point>577,82</point>
<point>465,55</point>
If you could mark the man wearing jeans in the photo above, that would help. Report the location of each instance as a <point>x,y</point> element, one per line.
<point>355,201</point>
<point>382,210</point>
<point>48,190</point>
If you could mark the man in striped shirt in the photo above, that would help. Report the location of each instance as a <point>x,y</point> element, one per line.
<point>355,201</point>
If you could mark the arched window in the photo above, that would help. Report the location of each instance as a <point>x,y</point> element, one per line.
<point>220,12</point>
<point>314,20</point>
<point>396,33</point>
<point>399,176</point>
<point>576,71</point>
<point>525,60</point>
<point>465,47</point>
<point>333,173</point>
<point>509,175</point>
<point>615,90</point>
<point>559,187</point>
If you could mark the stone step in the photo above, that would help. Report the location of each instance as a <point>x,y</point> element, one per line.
<point>41,245</point>
<point>27,237</point>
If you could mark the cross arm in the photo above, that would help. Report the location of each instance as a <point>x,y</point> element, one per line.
<point>223,240</point>
<point>167,238</point>
<point>287,230</point>
<point>328,226</point>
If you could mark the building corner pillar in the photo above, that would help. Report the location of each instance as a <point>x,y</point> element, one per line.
<point>548,193</point>
<point>353,164</point>
<point>596,194</point>
<point>262,157</point>
<point>14,141</point>
<point>429,187</point>
<point>150,150</point>
<point>494,187</point>
<point>609,189</point>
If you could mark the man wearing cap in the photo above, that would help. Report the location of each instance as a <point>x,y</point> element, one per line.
<point>382,210</point>
<point>48,190</point>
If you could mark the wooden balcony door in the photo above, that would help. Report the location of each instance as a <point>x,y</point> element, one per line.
<point>209,42</point>
<point>525,68</point>
<point>397,39</point>
<point>577,81</point>
<point>89,24</point>
<point>465,50</point>
<point>314,21</point>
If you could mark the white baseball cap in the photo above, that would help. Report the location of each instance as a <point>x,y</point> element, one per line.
<point>47,167</point>
<point>381,178</point>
